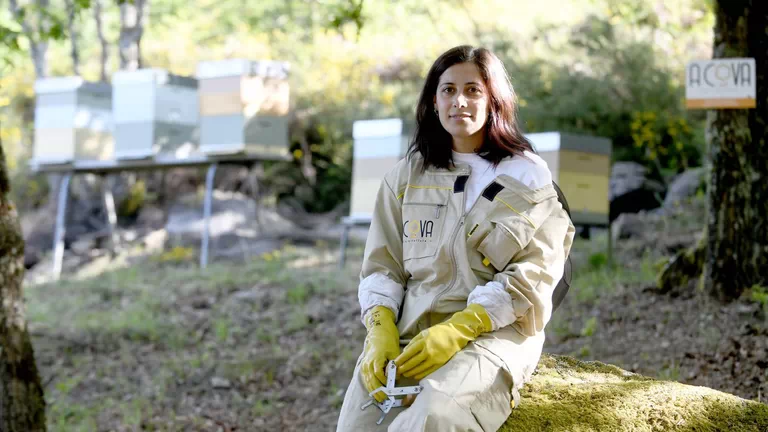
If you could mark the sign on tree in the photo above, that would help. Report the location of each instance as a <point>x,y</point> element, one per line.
<point>721,83</point>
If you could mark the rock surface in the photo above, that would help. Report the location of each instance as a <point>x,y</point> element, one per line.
<point>568,395</point>
<point>630,191</point>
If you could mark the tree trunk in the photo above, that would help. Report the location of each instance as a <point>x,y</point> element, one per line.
<point>74,51</point>
<point>132,21</point>
<point>102,41</point>
<point>22,405</point>
<point>38,47</point>
<point>737,227</point>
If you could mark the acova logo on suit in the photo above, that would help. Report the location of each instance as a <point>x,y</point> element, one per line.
<point>415,230</point>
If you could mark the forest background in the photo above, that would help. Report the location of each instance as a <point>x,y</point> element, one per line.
<point>608,68</point>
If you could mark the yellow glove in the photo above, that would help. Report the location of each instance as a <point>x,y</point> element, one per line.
<point>433,347</point>
<point>382,344</point>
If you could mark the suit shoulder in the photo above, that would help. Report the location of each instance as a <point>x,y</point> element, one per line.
<point>399,175</point>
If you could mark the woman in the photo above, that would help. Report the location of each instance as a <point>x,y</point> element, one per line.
<point>466,245</point>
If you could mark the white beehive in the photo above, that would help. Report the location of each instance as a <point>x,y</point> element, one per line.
<point>244,107</point>
<point>378,146</point>
<point>155,113</point>
<point>73,121</point>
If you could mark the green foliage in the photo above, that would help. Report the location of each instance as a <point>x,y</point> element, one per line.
<point>298,294</point>
<point>584,351</point>
<point>760,296</point>
<point>598,260</point>
<point>67,385</point>
<point>222,328</point>
<point>671,371</point>
<point>297,320</point>
<point>261,408</point>
<point>666,139</point>
<point>590,283</point>
<point>598,71</point>
<point>72,417</point>
<point>29,190</point>
<point>130,206</point>
<point>611,81</point>
<point>177,254</point>
<point>351,12</point>
<point>589,327</point>
<point>331,160</point>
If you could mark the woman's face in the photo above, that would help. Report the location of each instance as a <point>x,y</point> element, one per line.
<point>462,100</point>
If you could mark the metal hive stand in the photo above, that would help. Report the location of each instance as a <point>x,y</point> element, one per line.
<point>103,168</point>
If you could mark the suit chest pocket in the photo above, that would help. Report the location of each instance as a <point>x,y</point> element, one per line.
<point>424,215</point>
<point>507,229</point>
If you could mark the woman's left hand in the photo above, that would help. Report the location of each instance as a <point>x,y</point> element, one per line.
<point>433,347</point>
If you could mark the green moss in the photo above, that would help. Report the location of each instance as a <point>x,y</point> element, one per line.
<point>568,395</point>
<point>132,203</point>
<point>687,264</point>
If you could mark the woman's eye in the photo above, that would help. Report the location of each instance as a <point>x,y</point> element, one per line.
<point>447,90</point>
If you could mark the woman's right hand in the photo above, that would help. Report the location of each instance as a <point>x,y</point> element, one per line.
<point>382,344</point>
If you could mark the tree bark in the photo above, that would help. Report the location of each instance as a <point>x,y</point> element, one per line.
<point>102,41</point>
<point>737,226</point>
<point>22,404</point>
<point>132,21</point>
<point>73,37</point>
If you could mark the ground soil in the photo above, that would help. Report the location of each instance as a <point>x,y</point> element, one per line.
<point>283,358</point>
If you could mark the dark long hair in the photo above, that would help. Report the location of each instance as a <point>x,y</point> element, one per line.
<point>502,136</point>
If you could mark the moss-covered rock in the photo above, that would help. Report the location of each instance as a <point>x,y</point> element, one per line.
<point>686,265</point>
<point>569,395</point>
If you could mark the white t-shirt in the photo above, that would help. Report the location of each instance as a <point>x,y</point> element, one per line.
<point>532,172</point>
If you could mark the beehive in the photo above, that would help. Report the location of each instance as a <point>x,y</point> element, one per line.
<point>378,146</point>
<point>73,121</point>
<point>581,166</point>
<point>244,107</point>
<point>155,113</point>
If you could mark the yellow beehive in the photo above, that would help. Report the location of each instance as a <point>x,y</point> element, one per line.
<point>581,166</point>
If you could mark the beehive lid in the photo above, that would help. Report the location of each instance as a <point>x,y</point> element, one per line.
<point>153,75</point>
<point>377,128</point>
<point>555,141</point>
<point>70,84</point>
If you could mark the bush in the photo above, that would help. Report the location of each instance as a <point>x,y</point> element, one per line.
<point>29,190</point>
<point>608,84</point>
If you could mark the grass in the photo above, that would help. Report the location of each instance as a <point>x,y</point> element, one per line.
<point>222,329</point>
<point>589,327</point>
<point>671,371</point>
<point>299,293</point>
<point>135,348</point>
<point>594,278</point>
<point>598,278</point>
<point>759,295</point>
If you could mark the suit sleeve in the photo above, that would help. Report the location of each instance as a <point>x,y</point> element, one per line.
<point>383,277</point>
<point>521,294</point>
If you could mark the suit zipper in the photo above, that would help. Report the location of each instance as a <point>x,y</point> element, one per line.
<point>453,256</point>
